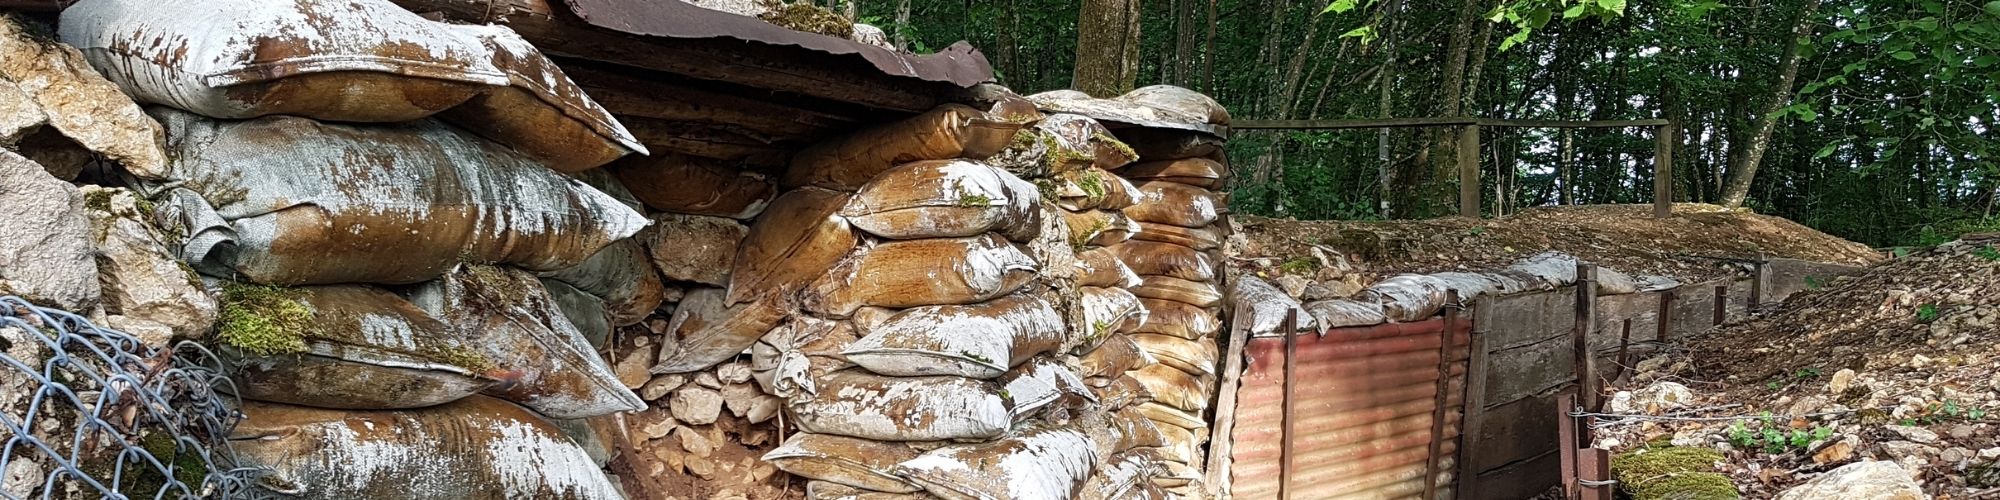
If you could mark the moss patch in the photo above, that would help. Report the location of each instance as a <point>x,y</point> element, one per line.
<point>1678,473</point>
<point>1118,145</point>
<point>1299,265</point>
<point>464,357</point>
<point>810,18</point>
<point>264,320</point>
<point>1093,186</point>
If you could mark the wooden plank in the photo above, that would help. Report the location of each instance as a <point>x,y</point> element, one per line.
<point>1221,443</point>
<point>1285,468</point>
<point>1473,424</point>
<point>1468,171</point>
<point>1434,458</point>
<point>1512,432</point>
<point>1528,478</point>
<point>1586,321</point>
<point>1663,171</point>
<point>1572,123</point>
<point>1665,318</point>
<point>1346,124</point>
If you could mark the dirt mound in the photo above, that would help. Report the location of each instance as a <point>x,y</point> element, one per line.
<point>1691,246</point>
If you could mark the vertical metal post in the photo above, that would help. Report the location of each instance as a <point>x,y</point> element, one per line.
<point>1663,171</point>
<point>1624,350</point>
<point>1290,329</point>
<point>1586,320</point>
<point>1468,171</point>
<point>1721,303</point>
<point>1433,461</point>
<point>1665,317</point>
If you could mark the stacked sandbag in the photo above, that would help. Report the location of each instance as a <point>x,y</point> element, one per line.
<point>404,224</point>
<point>1174,167</point>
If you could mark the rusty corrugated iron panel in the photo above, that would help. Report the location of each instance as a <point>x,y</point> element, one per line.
<point>1363,412</point>
<point>958,64</point>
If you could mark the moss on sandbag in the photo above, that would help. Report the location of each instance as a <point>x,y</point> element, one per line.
<point>264,320</point>
<point>1675,473</point>
<point>810,18</point>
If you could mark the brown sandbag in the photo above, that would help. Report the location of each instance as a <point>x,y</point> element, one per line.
<point>1176,204</point>
<point>1180,101</point>
<point>1176,473</point>
<point>1113,357</point>
<point>1109,310</point>
<point>979,341</point>
<point>696,248</point>
<point>826,490</point>
<point>507,317</point>
<point>1342,313</point>
<point>859,404</point>
<point>366,348</point>
<point>1101,267</point>
<point>1407,298</point>
<point>1048,463</point>
<point>1123,429</point>
<point>1122,392</point>
<point>584,311</point>
<point>1196,357</point>
<point>477,447</point>
<point>913,273</point>
<point>346,61</point>
<point>1199,238</point>
<point>946,199</point>
<point>678,183</point>
<point>1175,388</point>
<point>1095,188</point>
<point>1100,228</point>
<point>946,132</point>
<point>1198,172</point>
<point>1121,477</point>
<point>290,201</point>
<point>620,276</point>
<point>858,463</point>
<point>1183,445</point>
<point>1179,319</point>
<point>1155,144</point>
<point>796,240</point>
<point>786,361</point>
<point>709,332</point>
<point>1166,259</point>
<point>1171,416</point>
<point>1196,293</point>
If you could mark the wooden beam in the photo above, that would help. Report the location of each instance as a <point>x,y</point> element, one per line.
<point>1468,171</point>
<point>1663,171</point>
<point>1586,321</point>
<point>1437,122</point>
<point>1572,123</point>
<point>1221,442</point>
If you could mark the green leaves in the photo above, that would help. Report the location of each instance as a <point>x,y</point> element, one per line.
<point>1993,8</point>
<point>1365,33</point>
<point>1904,55</point>
<point>1341,6</point>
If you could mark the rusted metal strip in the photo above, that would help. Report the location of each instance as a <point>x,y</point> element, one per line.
<point>1586,321</point>
<point>1290,329</point>
<point>1665,318</point>
<point>1721,302</point>
<point>1445,356</point>
<point>1593,474</point>
<point>1566,444</point>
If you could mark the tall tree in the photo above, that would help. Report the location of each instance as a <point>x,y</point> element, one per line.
<point>1759,139</point>
<point>1107,47</point>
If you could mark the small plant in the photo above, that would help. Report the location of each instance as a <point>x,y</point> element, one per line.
<point>975,357</point>
<point>1773,440</point>
<point>1298,265</point>
<point>1806,373</point>
<point>1900,252</point>
<point>975,200</point>
<point>1815,282</point>
<point>1987,252</point>
<point>1927,313</point>
<point>1476,231</point>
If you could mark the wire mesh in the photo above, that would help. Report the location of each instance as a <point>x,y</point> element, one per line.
<point>90,412</point>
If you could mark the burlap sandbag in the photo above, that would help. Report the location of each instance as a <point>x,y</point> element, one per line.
<point>1172,387</point>
<point>1109,310</point>
<point>796,240</point>
<point>1113,357</point>
<point>1196,357</point>
<point>1260,308</point>
<point>1094,188</point>
<point>1037,464</point>
<point>1101,267</point>
<point>1554,269</point>
<point>708,332</point>
<point>1199,238</point>
<point>1123,391</point>
<point>1098,228</point>
<point>1183,445</point>
<point>365,348</point>
<point>859,404</point>
<point>1155,144</point>
<point>946,199</point>
<point>620,276</point>
<point>949,131</point>
<point>844,460</point>
<point>1468,285</point>
<point>1176,204</point>
<point>1167,259</point>
<point>1171,416</point>
<point>1198,172</point>
<point>477,447</point>
<point>1059,144</point>
<point>586,312</point>
<point>1179,319</point>
<point>291,201</point>
<point>1044,383</point>
<point>1175,475</point>
<point>1196,293</point>
<point>1406,298</point>
<point>508,318</point>
<point>1180,101</point>
<point>1120,430</point>
<point>786,361</point>
<point>980,340</point>
<point>1121,477</point>
<point>826,490</point>
<point>346,61</point>
<point>913,273</point>
<point>678,183</point>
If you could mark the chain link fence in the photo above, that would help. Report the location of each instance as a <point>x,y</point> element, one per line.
<point>89,412</point>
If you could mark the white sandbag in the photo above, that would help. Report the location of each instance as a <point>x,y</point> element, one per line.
<point>1175,473</point>
<point>1261,308</point>
<point>1656,283</point>
<point>979,341</point>
<point>477,447</point>
<point>1179,319</point>
<point>509,319</point>
<point>1165,259</point>
<point>345,60</point>
<point>1196,357</point>
<point>1099,228</point>
<point>707,332</point>
<point>860,404</point>
<point>1121,430</point>
<point>1121,477</point>
<point>826,490</point>
<point>1406,298</point>
<point>363,348</point>
<point>859,463</point>
<point>946,199</point>
<point>1196,293</point>
<point>1094,188</point>
<point>1175,204</point>
<point>1038,464</point>
<point>913,273</point>
<point>1109,310</point>
<point>1100,267</point>
<point>1557,270</point>
<point>1041,382</point>
<point>290,201</point>
<point>787,360</point>
<point>1343,313</point>
<point>1178,101</point>
<point>586,312</point>
<point>1468,285</point>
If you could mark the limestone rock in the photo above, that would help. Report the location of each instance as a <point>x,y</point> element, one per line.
<point>631,369</point>
<point>733,373</point>
<point>697,405</point>
<point>694,442</point>
<point>19,115</point>
<point>1866,479</point>
<point>80,103</point>
<point>1837,451</point>
<point>45,253</point>
<point>1841,380</point>
<point>1662,396</point>
<point>739,398</point>
<point>871,35</point>
<point>1914,434</point>
<point>140,278</point>
<point>1293,285</point>
<point>693,247</point>
<point>660,385</point>
<point>655,424</point>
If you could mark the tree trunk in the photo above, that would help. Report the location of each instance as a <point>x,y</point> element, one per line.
<point>1741,174</point>
<point>1107,47</point>
<point>1208,54</point>
<point>902,39</point>
<point>1566,166</point>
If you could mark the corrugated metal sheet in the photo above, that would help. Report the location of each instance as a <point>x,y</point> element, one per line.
<point>1364,399</point>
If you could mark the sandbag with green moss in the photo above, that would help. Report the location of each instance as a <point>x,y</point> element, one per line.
<point>1677,473</point>
<point>507,316</point>
<point>344,346</point>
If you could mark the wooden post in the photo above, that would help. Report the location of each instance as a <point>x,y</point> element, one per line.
<point>1468,171</point>
<point>1663,171</point>
<point>1721,302</point>
<point>1290,329</point>
<point>1757,282</point>
<point>1466,478</point>
<point>1566,442</point>
<point>1665,317</point>
<point>1221,444</point>
<point>1586,320</point>
<point>1624,351</point>
<point>1433,461</point>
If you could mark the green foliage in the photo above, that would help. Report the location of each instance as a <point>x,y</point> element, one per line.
<point>1815,282</point>
<point>1299,265</point>
<point>1772,438</point>
<point>1987,252</point>
<point>264,320</point>
<point>1927,313</point>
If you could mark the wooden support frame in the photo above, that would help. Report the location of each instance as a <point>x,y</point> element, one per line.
<point>1434,460</point>
<point>1586,321</point>
<point>1466,479</point>
<point>1285,476</point>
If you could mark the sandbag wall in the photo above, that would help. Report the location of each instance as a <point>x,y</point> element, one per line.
<point>395,214</point>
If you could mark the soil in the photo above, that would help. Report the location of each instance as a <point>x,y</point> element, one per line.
<point>1700,242</point>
